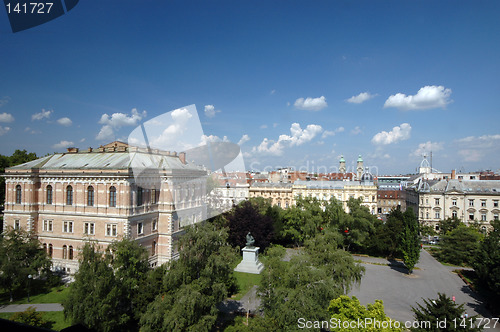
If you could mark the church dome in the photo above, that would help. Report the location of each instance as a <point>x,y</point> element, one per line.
<point>367,176</point>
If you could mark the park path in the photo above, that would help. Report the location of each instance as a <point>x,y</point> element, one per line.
<point>37,306</point>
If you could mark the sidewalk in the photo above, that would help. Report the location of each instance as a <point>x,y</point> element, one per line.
<point>37,306</point>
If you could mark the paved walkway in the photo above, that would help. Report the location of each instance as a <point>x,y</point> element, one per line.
<point>37,306</point>
<point>400,291</point>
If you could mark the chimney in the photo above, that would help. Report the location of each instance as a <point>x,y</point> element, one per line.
<point>453,174</point>
<point>73,150</point>
<point>182,157</point>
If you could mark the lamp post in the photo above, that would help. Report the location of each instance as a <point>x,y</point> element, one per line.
<point>29,281</point>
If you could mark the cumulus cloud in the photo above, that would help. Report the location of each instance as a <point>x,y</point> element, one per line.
<point>116,121</point>
<point>212,138</point>
<point>474,149</point>
<point>327,133</point>
<point>362,97</point>
<point>427,97</point>
<point>398,133</point>
<point>210,111</point>
<point>298,136</point>
<point>42,115</point>
<point>6,117</point>
<point>32,131</point>
<point>63,144</point>
<point>65,121</point>
<point>4,130</point>
<point>311,104</point>
<point>245,138</point>
<point>425,148</point>
<point>356,131</point>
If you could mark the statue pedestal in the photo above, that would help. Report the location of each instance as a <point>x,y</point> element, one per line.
<point>250,262</point>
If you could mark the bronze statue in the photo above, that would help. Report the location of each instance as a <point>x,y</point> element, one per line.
<point>250,240</point>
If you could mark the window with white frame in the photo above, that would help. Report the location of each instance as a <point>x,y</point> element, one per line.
<point>140,228</point>
<point>68,227</point>
<point>112,196</point>
<point>495,216</point>
<point>154,225</point>
<point>483,203</point>
<point>436,201</point>
<point>47,225</point>
<point>69,195</point>
<point>49,194</point>
<point>111,229</point>
<point>437,215</point>
<point>471,202</point>
<point>17,224</point>
<point>483,216</point>
<point>495,203</point>
<point>89,228</point>
<point>471,215</point>
<point>454,202</point>
<point>454,214</point>
<point>19,194</point>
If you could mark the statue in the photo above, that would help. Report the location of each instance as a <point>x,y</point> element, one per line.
<point>250,240</point>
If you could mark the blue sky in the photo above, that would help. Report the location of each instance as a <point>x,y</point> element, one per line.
<point>297,83</point>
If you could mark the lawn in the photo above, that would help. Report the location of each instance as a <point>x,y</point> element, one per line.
<point>56,295</point>
<point>245,282</point>
<point>55,317</point>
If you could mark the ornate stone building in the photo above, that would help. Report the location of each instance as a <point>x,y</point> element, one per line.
<point>97,194</point>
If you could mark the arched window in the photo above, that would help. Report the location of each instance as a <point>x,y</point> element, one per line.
<point>69,195</point>
<point>112,196</point>
<point>49,194</point>
<point>50,249</point>
<point>70,252</point>
<point>65,252</point>
<point>18,194</point>
<point>45,247</point>
<point>153,248</point>
<point>90,196</point>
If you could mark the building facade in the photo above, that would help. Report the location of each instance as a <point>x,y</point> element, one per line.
<point>95,194</point>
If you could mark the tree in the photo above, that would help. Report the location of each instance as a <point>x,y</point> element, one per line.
<point>302,221</point>
<point>31,317</point>
<point>18,157</point>
<point>21,254</point>
<point>443,315</point>
<point>346,309</point>
<point>460,245</point>
<point>487,262</point>
<point>449,224</point>
<point>386,239</point>
<point>410,242</point>
<point>247,218</point>
<point>357,225</point>
<point>195,283</point>
<point>104,292</point>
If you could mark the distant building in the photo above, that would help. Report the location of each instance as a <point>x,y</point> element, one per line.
<point>388,199</point>
<point>69,198</point>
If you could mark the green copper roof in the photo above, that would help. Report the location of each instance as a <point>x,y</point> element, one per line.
<point>342,160</point>
<point>360,160</point>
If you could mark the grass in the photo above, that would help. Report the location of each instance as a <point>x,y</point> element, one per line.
<point>56,295</point>
<point>55,317</point>
<point>245,282</point>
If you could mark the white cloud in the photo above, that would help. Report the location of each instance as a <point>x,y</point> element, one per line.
<point>356,131</point>
<point>398,133</point>
<point>63,144</point>
<point>210,111</point>
<point>4,130</point>
<point>213,138</point>
<point>65,121</point>
<point>116,121</point>
<point>481,148</point>
<point>311,104</point>
<point>427,97</point>
<point>426,148</point>
<point>245,138</point>
<point>42,115</point>
<point>327,133</point>
<point>273,91</point>
<point>32,131</point>
<point>264,126</point>
<point>298,136</point>
<point>4,100</point>
<point>275,125</point>
<point>6,117</point>
<point>362,97</point>
<point>82,140</point>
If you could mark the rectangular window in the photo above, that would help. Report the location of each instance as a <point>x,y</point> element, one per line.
<point>495,203</point>
<point>89,228</point>
<point>495,216</point>
<point>436,201</point>
<point>68,227</point>
<point>471,202</point>
<point>454,214</point>
<point>111,229</point>
<point>139,196</point>
<point>454,202</point>
<point>154,225</point>
<point>47,225</point>
<point>436,215</point>
<point>140,228</point>
<point>154,199</point>
<point>483,203</point>
<point>483,216</point>
<point>471,216</point>
<point>17,224</point>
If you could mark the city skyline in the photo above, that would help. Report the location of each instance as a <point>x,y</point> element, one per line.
<point>293,83</point>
